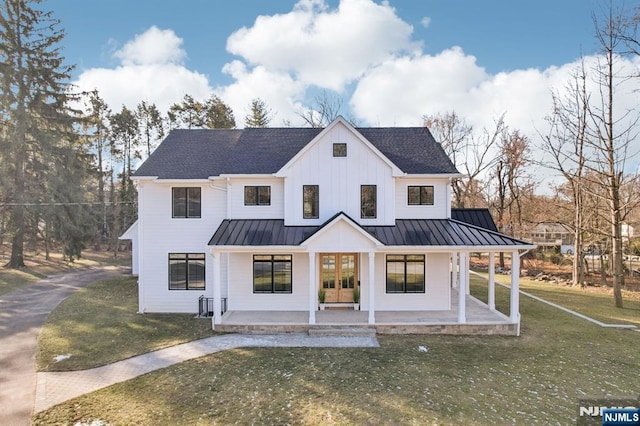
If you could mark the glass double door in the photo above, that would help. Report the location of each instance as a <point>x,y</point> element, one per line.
<point>339,276</point>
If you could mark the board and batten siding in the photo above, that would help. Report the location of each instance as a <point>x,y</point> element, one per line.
<point>160,234</point>
<point>440,208</point>
<point>436,297</point>
<point>237,209</point>
<point>242,297</point>
<point>339,180</point>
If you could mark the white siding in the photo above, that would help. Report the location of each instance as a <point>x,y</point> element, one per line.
<point>242,297</point>
<point>437,287</point>
<point>237,209</point>
<point>440,207</point>
<point>161,234</point>
<point>339,180</point>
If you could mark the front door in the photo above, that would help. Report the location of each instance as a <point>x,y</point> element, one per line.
<point>338,276</point>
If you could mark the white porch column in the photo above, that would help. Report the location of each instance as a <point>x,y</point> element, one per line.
<point>372,287</point>
<point>462,289</point>
<point>217,294</point>
<point>455,278</point>
<point>313,292</point>
<point>465,268</point>
<point>492,281</point>
<point>515,286</point>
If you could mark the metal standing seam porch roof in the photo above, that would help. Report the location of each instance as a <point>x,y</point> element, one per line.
<point>406,232</point>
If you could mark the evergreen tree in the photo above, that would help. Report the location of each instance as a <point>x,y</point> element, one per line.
<point>259,115</point>
<point>125,144</point>
<point>218,115</point>
<point>37,135</point>
<point>150,126</point>
<point>97,132</point>
<point>192,114</point>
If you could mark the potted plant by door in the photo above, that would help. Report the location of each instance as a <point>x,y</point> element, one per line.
<point>356,298</point>
<point>322,293</point>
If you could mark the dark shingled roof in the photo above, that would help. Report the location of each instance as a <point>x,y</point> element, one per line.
<point>200,153</point>
<point>406,232</point>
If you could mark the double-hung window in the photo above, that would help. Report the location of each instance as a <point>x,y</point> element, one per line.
<point>405,273</point>
<point>186,271</point>
<point>257,195</point>
<point>272,273</point>
<point>310,201</point>
<point>186,202</point>
<point>368,201</point>
<point>420,195</point>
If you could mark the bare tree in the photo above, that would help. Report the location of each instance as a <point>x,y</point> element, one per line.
<point>326,108</point>
<point>565,142</point>
<point>512,183</point>
<point>610,134</point>
<point>471,154</point>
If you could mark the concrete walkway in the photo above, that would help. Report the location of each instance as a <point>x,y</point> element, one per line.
<point>22,314</point>
<point>54,388</point>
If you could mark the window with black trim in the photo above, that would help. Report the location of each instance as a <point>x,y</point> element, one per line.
<point>405,273</point>
<point>368,201</point>
<point>272,273</point>
<point>186,271</point>
<point>339,149</point>
<point>186,202</point>
<point>420,195</point>
<point>310,201</point>
<point>257,195</point>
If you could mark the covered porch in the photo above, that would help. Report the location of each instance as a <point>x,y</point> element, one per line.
<point>480,319</point>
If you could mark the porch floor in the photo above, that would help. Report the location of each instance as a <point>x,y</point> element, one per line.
<point>480,320</point>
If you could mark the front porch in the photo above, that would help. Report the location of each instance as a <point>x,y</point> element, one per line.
<point>480,320</point>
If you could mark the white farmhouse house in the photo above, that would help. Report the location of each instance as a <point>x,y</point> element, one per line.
<point>264,222</point>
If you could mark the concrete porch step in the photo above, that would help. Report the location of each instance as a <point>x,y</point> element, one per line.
<point>342,331</point>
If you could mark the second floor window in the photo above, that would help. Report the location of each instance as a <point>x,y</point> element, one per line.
<point>420,195</point>
<point>186,202</point>
<point>368,201</point>
<point>310,201</point>
<point>257,195</point>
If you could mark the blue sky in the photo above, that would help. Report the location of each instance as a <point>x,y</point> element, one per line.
<point>390,62</point>
<point>503,34</point>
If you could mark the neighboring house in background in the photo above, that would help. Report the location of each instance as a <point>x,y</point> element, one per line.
<point>628,232</point>
<point>263,220</point>
<point>551,234</point>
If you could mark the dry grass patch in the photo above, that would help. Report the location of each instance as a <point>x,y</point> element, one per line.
<point>37,267</point>
<point>99,325</point>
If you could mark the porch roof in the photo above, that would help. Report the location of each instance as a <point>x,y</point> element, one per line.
<point>406,232</point>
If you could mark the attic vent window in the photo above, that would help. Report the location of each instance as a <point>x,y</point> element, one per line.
<point>339,149</point>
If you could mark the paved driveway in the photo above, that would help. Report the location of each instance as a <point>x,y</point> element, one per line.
<point>22,314</point>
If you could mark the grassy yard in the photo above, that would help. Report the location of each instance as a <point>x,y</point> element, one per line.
<point>38,267</point>
<point>99,325</point>
<point>595,302</point>
<point>533,379</point>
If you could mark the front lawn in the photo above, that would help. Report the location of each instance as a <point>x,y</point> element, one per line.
<point>99,325</point>
<point>533,379</point>
<point>595,302</point>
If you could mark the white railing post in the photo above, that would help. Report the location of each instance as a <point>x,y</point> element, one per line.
<point>313,293</point>
<point>492,281</point>
<point>515,287</point>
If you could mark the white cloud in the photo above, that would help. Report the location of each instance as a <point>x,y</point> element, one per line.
<point>151,69</point>
<point>154,46</point>
<point>425,21</point>
<point>322,47</point>
<point>278,90</point>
